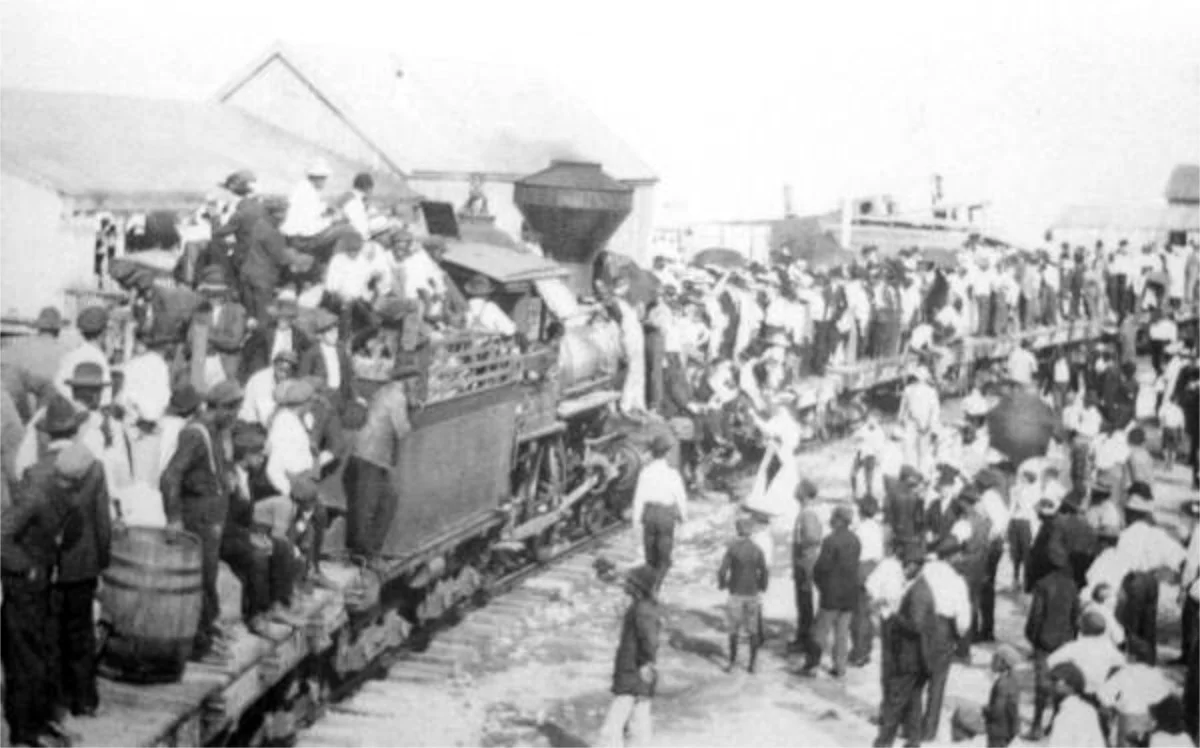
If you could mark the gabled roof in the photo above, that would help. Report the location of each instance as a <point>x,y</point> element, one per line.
<point>124,153</point>
<point>1184,184</point>
<point>501,264</point>
<point>437,116</point>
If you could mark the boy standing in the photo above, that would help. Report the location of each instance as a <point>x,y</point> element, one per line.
<point>744,573</point>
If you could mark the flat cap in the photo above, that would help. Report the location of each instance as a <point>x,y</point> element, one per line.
<point>92,320</point>
<point>225,393</point>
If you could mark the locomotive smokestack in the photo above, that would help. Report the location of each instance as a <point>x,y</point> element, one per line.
<point>576,208</point>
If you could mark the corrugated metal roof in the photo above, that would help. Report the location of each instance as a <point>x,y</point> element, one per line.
<point>439,116</point>
<point>501,264</point>
<point>126,153</point>
<point>1177,217</point>
<point>1184,184</point>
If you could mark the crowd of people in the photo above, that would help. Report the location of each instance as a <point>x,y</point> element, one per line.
<point>239,398</point>
<point>907,571</point>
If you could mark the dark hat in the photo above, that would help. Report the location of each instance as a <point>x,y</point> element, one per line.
<point>842,514</point>
<point>92,320</point>
<point>324,320</point>
<point>643,579</point>
<point>88,374</point>
<point>294,392</point>
<point>286,307</point>
<point>910,474</point>
<point>49,320</point>
<point>185,400</point>
<point>947,547</point>
<point>806,489</point>
<point>987,479</point>
<point>224,393</point>
<point>212,278</point>
<point>74,461</point>
<point>868,506</point>
<point>912,553</point>
<point>1092,622</point>
<point>248,438</point>
<point>61,416</point>
<point>661,444</point>
<point>287,356</point>
<point>304,487</point>
<point>1069,673</point>
<point>744,526</point>
<point>479,285</point>
<point>238,180</point>
<point>275,204</point>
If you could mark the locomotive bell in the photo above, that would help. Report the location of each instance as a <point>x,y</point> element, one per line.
<point>576,208</point>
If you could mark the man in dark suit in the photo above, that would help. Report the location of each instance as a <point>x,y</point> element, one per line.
<point>231,240</point>
<point>77,474</point>
<point>836,577</point>
<point>279,334</point>
<point>329,361</point>
<point>267,259</point>
<point>904,511</point>
<point>226,321</point>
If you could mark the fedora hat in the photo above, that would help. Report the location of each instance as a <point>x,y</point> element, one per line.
<point>92,320</point>
<point>185,400</point>
<point>49,320</point>
<point>239,179</point>
<point>88,374</point>
<point>61,416</point>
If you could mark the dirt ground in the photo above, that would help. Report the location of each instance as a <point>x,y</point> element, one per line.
<point>550,686</point>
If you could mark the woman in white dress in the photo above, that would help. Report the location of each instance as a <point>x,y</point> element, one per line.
<point>775,483</point>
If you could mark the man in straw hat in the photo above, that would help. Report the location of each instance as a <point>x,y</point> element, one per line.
<point>33,533</point>
<point>744,574</point>
<point>195,496</point>
<point>634,670</point>
<point>30,363</point>
<point>307,209</point>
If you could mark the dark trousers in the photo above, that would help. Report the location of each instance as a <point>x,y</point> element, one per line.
<point>804,606</point>
<point>658,538</point>
<point>27,657</point>
<point>371,504</point>
<point>210,559</point>
<point>862,625</point>
<point>1191,689</point>
<point>1157,347</point>
<point>837,623</point>
<point>1191,622</point>
<point>986,630</point>
<point>901,707</point>
<point>1138,612</point>
<point>966,638</point>
<point>257,298</point>
<point>73,636</point>
<point>252,568</point>
<point>1020,540</point>
<point>934,696</point>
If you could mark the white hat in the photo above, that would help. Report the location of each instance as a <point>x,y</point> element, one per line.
<point>318,168</point>
<point>1175,348</point>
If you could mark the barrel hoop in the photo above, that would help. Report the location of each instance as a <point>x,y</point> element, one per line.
<point>156,571</point>
<point>123,585</point>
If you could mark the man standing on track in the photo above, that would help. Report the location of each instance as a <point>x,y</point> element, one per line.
<point>659,504</point>
<point>920,415</point>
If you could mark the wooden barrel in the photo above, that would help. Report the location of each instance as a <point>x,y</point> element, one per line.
<point>151,597</point>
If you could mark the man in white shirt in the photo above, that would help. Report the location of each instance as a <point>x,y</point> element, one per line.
<point>306,207</point>
<point>259,403</point>
<point>1093,652</point>
<point>355,208</point>
<point>1145,549</point>
<point>994,506</point>
<point>483,314</point>
<point>351,271</point>
<point>289,446</point>
<point>659,504</point>
<point>1023,365</point>
<point>920,414</point>
<point>1163,332</point>
<point>92,324</point>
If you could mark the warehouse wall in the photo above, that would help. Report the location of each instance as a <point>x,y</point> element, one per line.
<point>42,251</point>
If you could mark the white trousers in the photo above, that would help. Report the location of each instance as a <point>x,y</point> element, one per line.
<point>628,722</point>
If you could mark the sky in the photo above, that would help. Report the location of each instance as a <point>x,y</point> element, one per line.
<point>1029,105</point>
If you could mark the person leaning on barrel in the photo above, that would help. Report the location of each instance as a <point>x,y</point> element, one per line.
<point>195,497</point>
